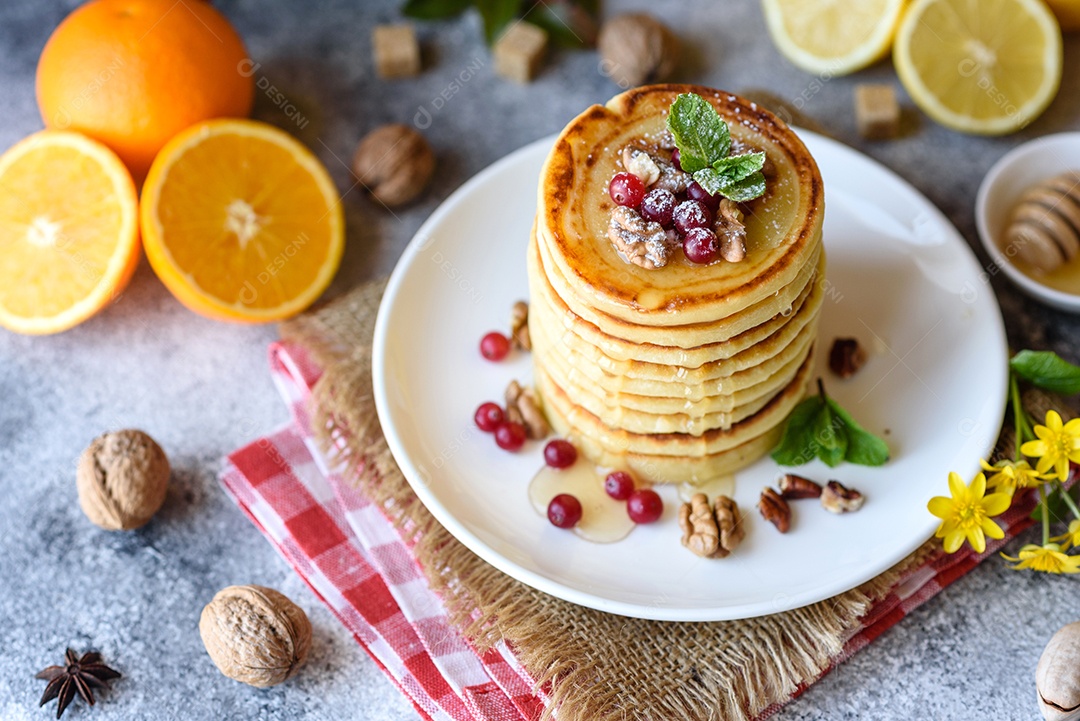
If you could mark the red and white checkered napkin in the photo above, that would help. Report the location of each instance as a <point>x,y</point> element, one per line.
<point>362,569</point>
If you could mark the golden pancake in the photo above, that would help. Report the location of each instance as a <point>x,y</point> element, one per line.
<point>783,227</point>
<point>681,372</point>
<point>651,361</point>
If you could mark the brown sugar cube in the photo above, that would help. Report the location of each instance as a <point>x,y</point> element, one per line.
<point>877,113</point>
<point>397,54</point>
<point>519,52</point>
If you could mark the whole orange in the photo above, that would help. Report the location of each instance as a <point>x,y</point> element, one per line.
<point>134,73</point>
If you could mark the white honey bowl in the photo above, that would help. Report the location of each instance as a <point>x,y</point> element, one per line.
<point>1016,172</point>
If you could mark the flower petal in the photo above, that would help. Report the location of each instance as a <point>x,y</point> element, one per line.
<point>977,539</point>
<point>1053,420</point>
<point>941,507</point>
<point>978,486</point>
<point>957,487</point>
<point>992,529</point>
<point>1034,448</point>
<point>996,503</point>
<point>953,541</point>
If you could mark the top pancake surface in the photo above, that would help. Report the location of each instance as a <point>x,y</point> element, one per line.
<point>783,227</point>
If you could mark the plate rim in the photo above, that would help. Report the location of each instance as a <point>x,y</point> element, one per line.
<point>481,548</point>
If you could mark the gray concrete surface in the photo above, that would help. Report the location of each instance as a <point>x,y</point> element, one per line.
<point>202,387</point>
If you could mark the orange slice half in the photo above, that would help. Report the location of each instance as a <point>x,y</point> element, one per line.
<point>69,235</point>
<point>241,222</point>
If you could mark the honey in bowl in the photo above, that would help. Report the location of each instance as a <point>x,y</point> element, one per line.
<point>1042,238</point>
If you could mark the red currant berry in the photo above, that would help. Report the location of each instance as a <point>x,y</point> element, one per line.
<point>619,485</point>
<point>696,192</point>
<point>494,346</point>
<point>488,417</point>
<point>676,157</point>
<point>510,435</point>
<point>701,246</point>
<point>658,205</point>
<point>644,506</point>
<point>691,214</point>
<point>626,189</point>
<point>560,453</point>
<point>564,511</point>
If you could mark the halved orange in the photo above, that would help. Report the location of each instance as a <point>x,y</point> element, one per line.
<point>69,231</point>
<point>241,222</point>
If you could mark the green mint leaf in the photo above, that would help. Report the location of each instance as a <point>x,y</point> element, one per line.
<point>700,133</point>
<point>830,436</point>
<point>1047,370</point>
<point>820,428</point>
<point>796,447</point>
<point>746,189</point>
<point>864,448</point>
<point>739,167</point>
<point>435,9</point>
<point>497,14</point>
<point>568,24</point>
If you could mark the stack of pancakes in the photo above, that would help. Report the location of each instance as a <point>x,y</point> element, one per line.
<point>682,373</point>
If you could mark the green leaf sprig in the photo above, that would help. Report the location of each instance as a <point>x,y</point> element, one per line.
<point>820,428</point>
<point>569,23</point>
<point>1047,370</point>
<point>704,141</point>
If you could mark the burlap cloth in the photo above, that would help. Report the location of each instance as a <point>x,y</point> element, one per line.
<point>594,665</point>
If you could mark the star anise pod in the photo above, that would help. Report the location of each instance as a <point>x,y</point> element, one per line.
<point>78,676</point>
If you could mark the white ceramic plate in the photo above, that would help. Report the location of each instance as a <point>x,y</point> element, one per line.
<point>900,279</point>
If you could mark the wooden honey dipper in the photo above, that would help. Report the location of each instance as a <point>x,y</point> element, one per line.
<point>1044,228</point>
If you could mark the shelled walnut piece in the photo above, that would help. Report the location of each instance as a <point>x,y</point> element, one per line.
<point>642,242</point>
<point>122,479</point>
<point>731,231</point>
<point>710,532</point>
<point>775,509</point>
<point>255,635</point>
<point>838,498</point>
<point>846,357</point>
<point>522,406</point>
<point>519,326</point>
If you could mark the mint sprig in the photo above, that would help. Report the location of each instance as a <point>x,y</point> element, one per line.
<point>820,428</point>
<point>704,141</point>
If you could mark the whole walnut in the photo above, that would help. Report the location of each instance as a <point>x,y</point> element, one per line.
<point>394,163</point>
<point>636,48</point>
<point>122,479</point>
<point>255,635</point>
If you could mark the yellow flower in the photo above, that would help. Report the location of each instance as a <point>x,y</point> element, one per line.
<point>1057,445</point>
<point>1048,559</point>
<point>1072,538</point>
<point>967,514</point>
<point>1008,476</point>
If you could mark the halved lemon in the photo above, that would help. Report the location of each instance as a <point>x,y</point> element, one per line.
<point>241,221</point>
<point>988,67</point>
<point>69,231</point>
<point>833,37</point>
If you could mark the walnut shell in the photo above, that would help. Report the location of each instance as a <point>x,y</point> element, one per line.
<point>255,635</point>
<point>1057,677</point>
<point>394,163</point>
<point>122,479</point>
<point>636,48</point>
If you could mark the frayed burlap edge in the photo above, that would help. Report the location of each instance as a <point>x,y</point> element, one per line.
<point>594,665</point>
